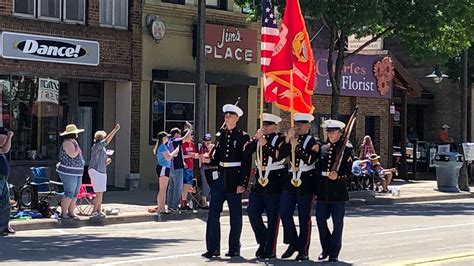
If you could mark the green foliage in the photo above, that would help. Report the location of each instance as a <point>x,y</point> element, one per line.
<point>428,29</point>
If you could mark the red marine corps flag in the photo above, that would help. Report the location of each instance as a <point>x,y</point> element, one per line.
<point>291,62</point>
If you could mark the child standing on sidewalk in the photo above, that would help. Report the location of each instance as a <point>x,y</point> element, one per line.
<point>98,167</point>
<point>189,153</point>
<point>5,207</point>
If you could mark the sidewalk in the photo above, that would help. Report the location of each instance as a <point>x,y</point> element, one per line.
<point>133,205</point>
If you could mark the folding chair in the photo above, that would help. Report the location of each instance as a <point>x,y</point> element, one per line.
<point>39,187</point>
<point>196,195</point>
<point>85,199</point>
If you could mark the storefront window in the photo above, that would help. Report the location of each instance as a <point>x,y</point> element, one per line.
<point>172,104</point>
<point>32,108</point>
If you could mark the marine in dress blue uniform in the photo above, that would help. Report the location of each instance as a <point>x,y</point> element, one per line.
<point>306,155</point>
<point>267,198</point>
<point>228,184</point>
<point>331,191</point>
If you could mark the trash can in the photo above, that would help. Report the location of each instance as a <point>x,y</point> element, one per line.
<point>447,166</point>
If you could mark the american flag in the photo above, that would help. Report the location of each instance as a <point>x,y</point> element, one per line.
<point>270,34</point>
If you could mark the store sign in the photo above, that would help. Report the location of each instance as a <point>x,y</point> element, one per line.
<point>231,44</point>
<point>355,43</point>
<point>48,91</point>
<point>49,49</point>
<point>362,75</point>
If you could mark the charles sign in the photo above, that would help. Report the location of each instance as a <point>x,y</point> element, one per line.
<point>362,75</point>
<point>49,49</point>
<point>231,44</point>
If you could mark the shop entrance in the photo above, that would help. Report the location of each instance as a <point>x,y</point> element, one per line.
<point>90,116</point>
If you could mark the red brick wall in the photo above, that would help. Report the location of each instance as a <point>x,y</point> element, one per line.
<point>120,54</point>
<point>136,54</point>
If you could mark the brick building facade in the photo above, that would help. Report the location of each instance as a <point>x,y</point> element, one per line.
<point>376,109</point>
<point>93,96</point>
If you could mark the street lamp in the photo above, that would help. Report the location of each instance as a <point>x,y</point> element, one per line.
<point>437,75</point>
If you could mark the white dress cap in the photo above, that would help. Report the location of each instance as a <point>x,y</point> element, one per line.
<point>271,118</point>
<point>231,108</point>
<point>334,124</point>
<point>302,117</point>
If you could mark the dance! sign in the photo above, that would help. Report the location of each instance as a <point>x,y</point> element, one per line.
<point>362,75</point>
<point>49,49</point>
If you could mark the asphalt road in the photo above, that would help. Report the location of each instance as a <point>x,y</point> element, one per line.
<point>432,233</point>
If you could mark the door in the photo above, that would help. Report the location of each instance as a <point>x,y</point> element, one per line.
<point>227,95</point>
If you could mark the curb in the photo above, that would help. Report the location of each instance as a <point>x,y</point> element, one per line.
<point>110,220</point>
<point>202,214</point>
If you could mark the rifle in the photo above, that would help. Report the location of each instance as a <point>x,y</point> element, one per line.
<point>345,139</point>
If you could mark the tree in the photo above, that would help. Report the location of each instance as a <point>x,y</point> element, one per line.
<point>434,29</point>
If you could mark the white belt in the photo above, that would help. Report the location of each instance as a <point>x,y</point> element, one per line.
<point>231,164</point>
<point>272,166</point>
<point>301,169</point>
<point>325,173</point>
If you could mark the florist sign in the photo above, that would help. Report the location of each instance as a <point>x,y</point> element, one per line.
<point>362,75</point>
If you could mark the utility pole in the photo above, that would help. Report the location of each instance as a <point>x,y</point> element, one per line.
<point>464,67</point>
<point>200,91</point>
<point>463,176</point>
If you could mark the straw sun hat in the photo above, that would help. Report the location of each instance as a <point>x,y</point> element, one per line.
<point>71,129</point>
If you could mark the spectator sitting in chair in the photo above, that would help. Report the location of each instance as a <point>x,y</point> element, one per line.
<point>386,175</point>
<point>361,170</point>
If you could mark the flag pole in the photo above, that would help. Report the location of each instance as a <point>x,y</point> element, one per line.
<point>292,125</point>
<point>263,181</point>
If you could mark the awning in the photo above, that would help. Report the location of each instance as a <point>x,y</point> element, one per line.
<point>403,80</point>
<point>211,78</point>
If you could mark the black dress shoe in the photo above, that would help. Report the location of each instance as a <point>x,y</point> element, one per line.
<point>322,256</point>
<point>209,254</point>
<point>232,254</point>
<point>259,251</point>
<point>267,256</point>
<point>289,252</point>
<point>301,257</point>
<point>333,259</point>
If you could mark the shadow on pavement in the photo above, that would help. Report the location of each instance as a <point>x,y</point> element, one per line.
<point>70,248</point>
<point>240,260</point>
<point>419,209</point>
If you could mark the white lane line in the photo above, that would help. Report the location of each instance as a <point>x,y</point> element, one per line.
<point>413,229</point>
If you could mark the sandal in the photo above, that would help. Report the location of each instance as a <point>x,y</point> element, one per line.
<point>153,210</point>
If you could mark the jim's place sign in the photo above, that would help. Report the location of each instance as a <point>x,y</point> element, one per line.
<point>49,49</point>
<point>231,44</point>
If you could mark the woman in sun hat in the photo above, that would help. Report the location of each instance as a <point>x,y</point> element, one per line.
<point>70,169</point>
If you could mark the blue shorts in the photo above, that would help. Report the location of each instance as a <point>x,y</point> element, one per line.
<point>188,176</point>
<point>71,184</point>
